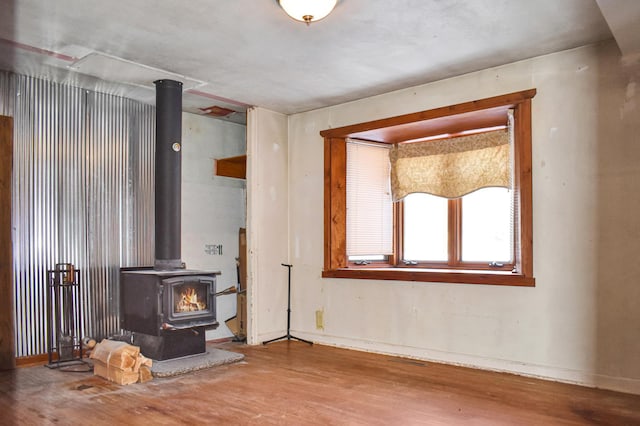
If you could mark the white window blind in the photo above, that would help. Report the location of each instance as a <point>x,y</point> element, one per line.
<point>369,205</point>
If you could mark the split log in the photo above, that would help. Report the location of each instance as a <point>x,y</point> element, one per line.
<point>145,374</point>
<point>113,374</point>
<point>116,354</point>
<point>120,363</point>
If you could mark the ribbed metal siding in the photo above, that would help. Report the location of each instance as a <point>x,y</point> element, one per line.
<point>82,194</point>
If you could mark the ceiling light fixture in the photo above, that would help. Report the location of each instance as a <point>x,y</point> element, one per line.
<point>307,11</point>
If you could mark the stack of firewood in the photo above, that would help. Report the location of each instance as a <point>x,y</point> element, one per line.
<point>120,362</point>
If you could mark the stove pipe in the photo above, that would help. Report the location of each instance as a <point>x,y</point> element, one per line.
<point>168,174</point>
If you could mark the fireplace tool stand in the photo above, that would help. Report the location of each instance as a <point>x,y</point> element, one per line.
<point>64,316</point>
<point>288,336</point>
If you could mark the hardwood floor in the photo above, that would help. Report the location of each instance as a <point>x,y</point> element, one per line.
<point>293,383</point>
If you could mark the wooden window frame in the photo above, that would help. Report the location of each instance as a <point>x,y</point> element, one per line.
<point>488,112</point>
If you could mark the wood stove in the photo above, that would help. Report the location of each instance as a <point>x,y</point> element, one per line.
<point>153,301</point>
<point>168,311</point>
<point>167,308</point>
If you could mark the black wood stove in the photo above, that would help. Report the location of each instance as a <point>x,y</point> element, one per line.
<point>168,311</point>
<point>167,307</point>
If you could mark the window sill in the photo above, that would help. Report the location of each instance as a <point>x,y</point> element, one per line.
<point>440,276</point>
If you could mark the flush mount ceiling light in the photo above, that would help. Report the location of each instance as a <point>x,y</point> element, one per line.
<point>307,10</point>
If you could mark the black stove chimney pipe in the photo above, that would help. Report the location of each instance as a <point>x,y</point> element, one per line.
<point>168,174</point>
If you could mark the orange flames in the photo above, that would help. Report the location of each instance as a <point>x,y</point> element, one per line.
<point>188,301</point>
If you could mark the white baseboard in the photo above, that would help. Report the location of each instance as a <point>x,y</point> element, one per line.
<point>564,375</point>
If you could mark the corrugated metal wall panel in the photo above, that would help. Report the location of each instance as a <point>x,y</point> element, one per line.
<point>82,194</point>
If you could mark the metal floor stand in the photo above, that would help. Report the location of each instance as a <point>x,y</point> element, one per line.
<point>64,316</point>
<point>288,336</point>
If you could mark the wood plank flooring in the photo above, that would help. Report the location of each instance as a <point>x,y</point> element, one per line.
<point>291,383</point>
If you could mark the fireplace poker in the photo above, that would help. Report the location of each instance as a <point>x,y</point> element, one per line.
<point>230,290</point>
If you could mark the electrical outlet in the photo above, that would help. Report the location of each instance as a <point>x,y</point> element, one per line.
<point>320,320</point>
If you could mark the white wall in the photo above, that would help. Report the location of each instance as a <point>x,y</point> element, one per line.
<point>213,207</point>
<point>267,224</point>
<point>581,322</point>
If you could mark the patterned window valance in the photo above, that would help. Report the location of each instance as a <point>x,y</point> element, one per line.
<point>453,167</point>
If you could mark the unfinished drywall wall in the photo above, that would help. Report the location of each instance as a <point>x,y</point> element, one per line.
<point>579,323</point>
<point>213,207</point>
<point>267,223</point>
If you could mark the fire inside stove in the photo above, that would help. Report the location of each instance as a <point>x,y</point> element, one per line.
<point>190,299</point>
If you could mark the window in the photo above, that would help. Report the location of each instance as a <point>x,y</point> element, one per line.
<point>425,228</point>
<point>471,232</point>
<point>480,234</point>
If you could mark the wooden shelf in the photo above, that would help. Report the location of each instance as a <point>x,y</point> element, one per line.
<point>235,167</point>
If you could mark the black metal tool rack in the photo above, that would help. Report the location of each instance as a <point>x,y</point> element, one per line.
<point>64,316</point>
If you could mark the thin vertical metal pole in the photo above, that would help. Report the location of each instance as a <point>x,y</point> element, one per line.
<point>288,301</point>
<point>49,311</point>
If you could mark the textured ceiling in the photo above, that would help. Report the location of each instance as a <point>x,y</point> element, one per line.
<point>238,53</point>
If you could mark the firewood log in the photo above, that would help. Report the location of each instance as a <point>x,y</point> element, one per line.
<point>145,374</point>
<point>117,354</point>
